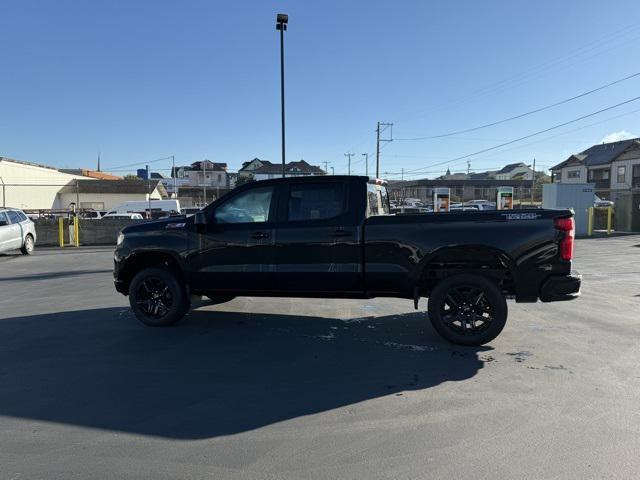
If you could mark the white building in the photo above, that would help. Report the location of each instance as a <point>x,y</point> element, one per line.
<point>31,186</point>
<point>612,167</point>
<point>104,195</point>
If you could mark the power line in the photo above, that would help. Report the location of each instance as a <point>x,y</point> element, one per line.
<point>529,136</point>
<point>541,69</point>
<point>515,117</point>
<point>136,164</point>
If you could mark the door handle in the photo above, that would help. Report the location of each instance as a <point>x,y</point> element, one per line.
<point>340,232</point>
<point>258,235</point>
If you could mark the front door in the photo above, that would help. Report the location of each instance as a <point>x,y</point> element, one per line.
<point>318,240</point>
<point>235,254</point>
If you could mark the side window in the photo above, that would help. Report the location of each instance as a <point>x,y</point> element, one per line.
<point>3,219</point>
<point>252,206</point>
<point>22,216</point>
<point>13,216</point>
<point>315,201</point>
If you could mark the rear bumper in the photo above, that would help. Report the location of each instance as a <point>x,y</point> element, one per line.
<point>561,287</point>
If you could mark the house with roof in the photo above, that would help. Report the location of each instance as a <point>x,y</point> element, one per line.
<point>515,171</point>
<point>612,167</point>
<point>264,169</point>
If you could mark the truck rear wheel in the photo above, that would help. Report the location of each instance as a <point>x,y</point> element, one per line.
<point>467,309</point>
<point>156,297</point>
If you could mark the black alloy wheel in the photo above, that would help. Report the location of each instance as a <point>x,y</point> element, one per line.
<point>153,297</point>
<point>467,309</point>
<point>157,298</point>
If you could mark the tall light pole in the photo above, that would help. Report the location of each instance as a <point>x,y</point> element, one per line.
<point>366,164</point>
<point>281,25</point>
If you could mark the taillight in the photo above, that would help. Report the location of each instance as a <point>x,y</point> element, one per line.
<point>568,227</point>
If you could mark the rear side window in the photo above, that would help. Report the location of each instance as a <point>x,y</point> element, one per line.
<point>316,201</point>
<point>3,218</point>
<point>377,201</point>
<point>22,216</point>
<point>13,216</point>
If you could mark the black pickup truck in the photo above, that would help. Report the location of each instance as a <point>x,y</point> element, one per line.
<point>333,237</point>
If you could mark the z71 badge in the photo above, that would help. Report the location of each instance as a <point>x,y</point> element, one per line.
<point>521,216</point>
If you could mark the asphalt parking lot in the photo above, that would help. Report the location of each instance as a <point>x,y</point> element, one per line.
<point>322,389</point>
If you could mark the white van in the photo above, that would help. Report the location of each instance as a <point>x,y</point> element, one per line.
<point>142,206</point>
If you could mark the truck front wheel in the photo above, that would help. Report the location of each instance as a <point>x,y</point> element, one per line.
<point>467,309</point>
<point>156,297</point>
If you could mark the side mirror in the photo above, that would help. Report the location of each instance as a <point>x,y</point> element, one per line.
<point>200,221</point>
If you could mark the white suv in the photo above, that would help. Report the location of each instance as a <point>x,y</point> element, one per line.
<point>17,231</point>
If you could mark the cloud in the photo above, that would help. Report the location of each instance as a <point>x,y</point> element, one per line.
<point>617,136</point>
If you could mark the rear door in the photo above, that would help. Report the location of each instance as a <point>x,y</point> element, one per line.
<point>318,239</point>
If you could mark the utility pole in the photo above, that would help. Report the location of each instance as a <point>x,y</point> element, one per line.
<point>468,167</point>
<point>149,190</point>
<point>326,168</point>
<point>366,163</point>
<point>402,174</point>
<point>386,125</point>
<point>349,155</point>
<point>204,180</point>
<point>173,174</point>
<point>533,182</point>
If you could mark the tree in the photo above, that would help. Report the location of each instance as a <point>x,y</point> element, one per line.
<point>131,177</point>
<point>242,179</point>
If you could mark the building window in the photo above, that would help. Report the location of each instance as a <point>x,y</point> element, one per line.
<point>635,176</point>
<point>622,171</point>
<point>219,177</point>
<point>573,174</point>
<point>599,174</point>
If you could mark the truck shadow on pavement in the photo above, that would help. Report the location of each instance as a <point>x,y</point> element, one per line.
<point>217,373</point>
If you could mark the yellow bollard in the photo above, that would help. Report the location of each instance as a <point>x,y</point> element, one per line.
<point>76,231</point>
<point>609,215</point>
<point>61,231</point>
<point>590,221</point>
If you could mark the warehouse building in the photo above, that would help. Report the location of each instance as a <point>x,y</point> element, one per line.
<point>29,185</point>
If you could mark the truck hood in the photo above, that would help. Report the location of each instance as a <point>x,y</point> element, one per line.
<point>176,222</point>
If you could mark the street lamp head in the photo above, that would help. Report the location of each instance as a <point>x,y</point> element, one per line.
<point>282,19</point>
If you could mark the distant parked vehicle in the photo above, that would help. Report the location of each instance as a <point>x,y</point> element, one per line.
<point>130,216</point>
<point>17,231</point>
<point>598,202</point>
<point>90,215</point>
<point>142,206</point>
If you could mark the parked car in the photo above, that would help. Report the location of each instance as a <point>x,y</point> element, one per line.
<point>131,216</point>
<point>17,231</point>
<point>333,237</point>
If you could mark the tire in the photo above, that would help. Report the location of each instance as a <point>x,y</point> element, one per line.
<point>215,300</point>
<point>29,245</point>
<point>467,309</point>
<point>157,298</point>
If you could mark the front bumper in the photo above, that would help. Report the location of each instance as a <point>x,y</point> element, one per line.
<point>561,287</point>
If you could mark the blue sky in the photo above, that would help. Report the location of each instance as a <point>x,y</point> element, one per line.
<point>140,80</point>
